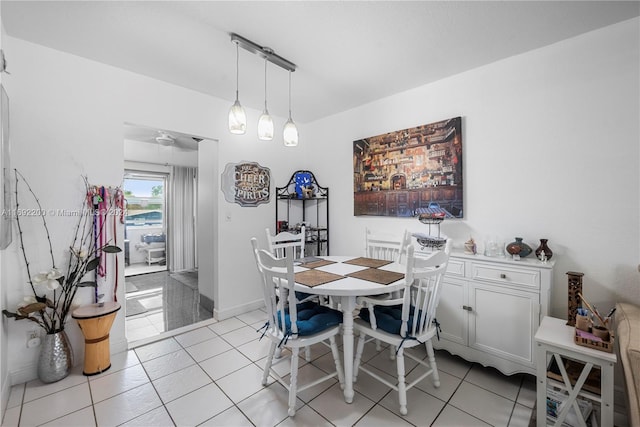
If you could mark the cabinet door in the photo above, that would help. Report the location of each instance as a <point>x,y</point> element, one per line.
<point>450,312</point>
<point>503,321</point>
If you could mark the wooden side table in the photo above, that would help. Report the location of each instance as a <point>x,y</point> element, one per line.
<point>555,338</point>
<point>95,321</point>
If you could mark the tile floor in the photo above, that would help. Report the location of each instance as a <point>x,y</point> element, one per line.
<point>157,303</point>
<point>211,376</point>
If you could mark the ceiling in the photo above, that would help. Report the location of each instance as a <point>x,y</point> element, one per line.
<point>347,53</point>
<point>166,138</point>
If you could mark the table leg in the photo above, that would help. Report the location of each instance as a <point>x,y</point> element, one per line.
<point>348,305</point>
<point>606,393</point>
<point>541,372</point>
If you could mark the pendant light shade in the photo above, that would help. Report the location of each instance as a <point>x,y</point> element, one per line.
<point>265,126</point>
<point>237,119</point>
<point>290,134</point>
<point>237,116</point>
<point>290,131</point>
<point>265,122</point>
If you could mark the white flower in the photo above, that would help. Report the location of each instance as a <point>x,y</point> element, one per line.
<point>49,278</point>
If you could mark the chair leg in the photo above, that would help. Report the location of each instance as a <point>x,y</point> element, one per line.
<point>336,359</point>
<point>293,385</point>
<point>267,365</point>
<point>378,345</point>
<point>307,353</point>
<point>392,352</point>
<point>359,350</point>
<point>432,362</point>
<point>402,386</point>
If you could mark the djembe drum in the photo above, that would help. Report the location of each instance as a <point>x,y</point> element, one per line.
<point>95,321</point>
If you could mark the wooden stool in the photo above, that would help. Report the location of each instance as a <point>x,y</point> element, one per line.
<point>95,321</point>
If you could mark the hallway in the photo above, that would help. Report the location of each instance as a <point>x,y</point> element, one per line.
<point>160,302</point>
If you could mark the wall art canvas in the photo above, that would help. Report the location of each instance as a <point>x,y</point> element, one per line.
<point>246,183</point>
<point>410,171</point>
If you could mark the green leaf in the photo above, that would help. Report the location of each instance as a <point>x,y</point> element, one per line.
<point>93,264</point>
<point>87,284</point>
<point>110,249</point>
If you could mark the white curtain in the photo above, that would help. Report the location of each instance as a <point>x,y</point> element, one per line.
<point>182,218</point>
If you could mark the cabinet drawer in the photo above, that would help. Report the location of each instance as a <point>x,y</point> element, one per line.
<point>506,275</point>
<point>455,267</point>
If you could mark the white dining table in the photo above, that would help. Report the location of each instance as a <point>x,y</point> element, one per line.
<point>346,290</point>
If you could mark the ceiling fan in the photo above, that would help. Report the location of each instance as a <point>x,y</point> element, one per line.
<point>165,139</point>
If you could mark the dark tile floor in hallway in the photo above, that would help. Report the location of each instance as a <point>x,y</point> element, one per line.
<point>161,302</point>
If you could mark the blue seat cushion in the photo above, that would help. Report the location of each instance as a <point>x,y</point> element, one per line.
<point>388,318</point>
<point>313,318</point>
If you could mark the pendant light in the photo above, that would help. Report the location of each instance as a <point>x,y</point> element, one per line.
<point>290,132</point>
<point>237,116</point>
<point>265,122</point>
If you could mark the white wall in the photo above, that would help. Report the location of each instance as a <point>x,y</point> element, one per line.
<point>67,116</point>
<point>551,150</point>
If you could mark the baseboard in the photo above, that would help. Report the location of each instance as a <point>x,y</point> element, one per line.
<point>118,346</point>
<point>206,303</point>
<point>240,309</point>
<point>23,374</point>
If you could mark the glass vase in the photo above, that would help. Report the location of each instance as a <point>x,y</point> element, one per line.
<point>543,247</point>
<point>56,357</point>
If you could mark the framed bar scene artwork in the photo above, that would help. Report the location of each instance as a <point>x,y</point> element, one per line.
<point>411,171</point>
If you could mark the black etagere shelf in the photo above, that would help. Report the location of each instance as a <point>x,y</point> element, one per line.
<point>295,206</point>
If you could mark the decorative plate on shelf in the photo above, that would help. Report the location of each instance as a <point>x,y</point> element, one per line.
<point>303,182</point>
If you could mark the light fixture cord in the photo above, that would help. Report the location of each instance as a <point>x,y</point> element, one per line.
<point>289,94</point>
<point>265,83</point>
<point>237,68</point>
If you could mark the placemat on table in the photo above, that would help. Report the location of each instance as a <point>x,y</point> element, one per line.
<point>368,262</point>
<point>313,278</point>
<point>316,264</point>
<point>379,276</point>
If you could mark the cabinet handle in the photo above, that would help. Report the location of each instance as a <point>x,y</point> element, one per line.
<point>466,307</point>
<point>503,276</point>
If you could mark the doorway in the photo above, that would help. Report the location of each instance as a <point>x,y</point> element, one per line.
<point>160,184</point>
<point>145,230</point>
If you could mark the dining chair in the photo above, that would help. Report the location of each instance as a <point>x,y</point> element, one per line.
<point>280,243</point>
<point>405,322</point>
<point>386,246</point>
<point>293,325</point>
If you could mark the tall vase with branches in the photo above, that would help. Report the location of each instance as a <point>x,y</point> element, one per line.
<point>53,291</point>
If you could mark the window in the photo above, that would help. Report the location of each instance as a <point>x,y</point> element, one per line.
<point>145,196</point>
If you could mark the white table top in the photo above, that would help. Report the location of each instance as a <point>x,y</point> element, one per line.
<point>350,286</point>
<point>555,332</point>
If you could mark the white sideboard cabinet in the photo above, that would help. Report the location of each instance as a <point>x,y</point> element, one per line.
<point>490,309</point>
